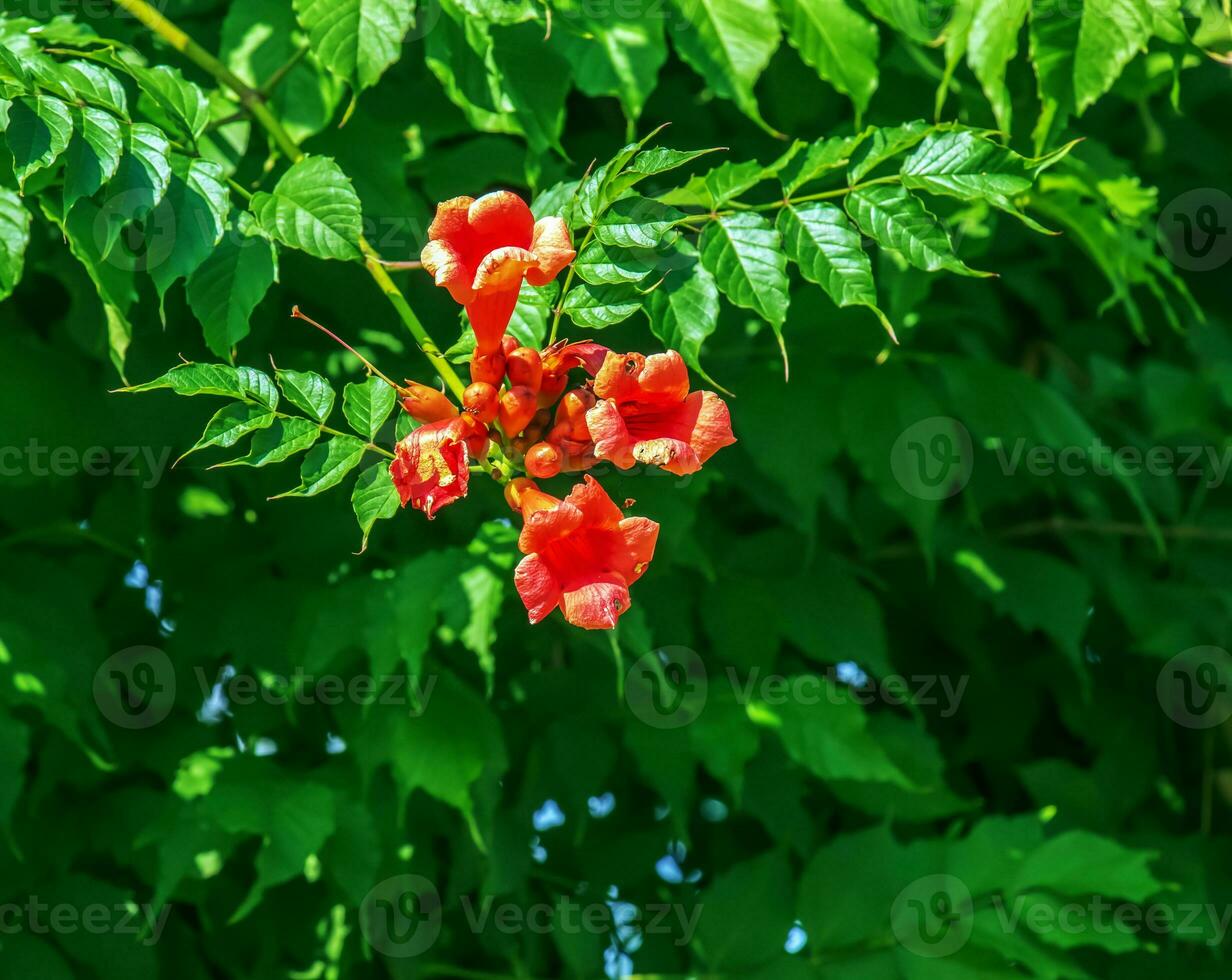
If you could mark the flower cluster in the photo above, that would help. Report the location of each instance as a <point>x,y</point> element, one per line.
<point>562,409</point>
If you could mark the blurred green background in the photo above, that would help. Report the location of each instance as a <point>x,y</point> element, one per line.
<point>786,808</point>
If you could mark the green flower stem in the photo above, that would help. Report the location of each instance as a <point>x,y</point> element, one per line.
<point>254,102</point>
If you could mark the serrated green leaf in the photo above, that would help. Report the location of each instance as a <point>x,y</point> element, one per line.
<point>314,208</point>
<point>140,182</point>
<point>181,101</point>
<point>455,51</point>
<point>895,218</point>
<point>829,736</point>
<point>819,238</point>
<point>816,160</point>
<point>374,498</point>
<point>728,43</point>
<point>11,68</point>
<point>196,379</point>
<point>367,405</point>
<point>194,212</point>
<point>114,281</point>
<point>281,440</point>
<point>1083,863</point>
<point>231,423</point>
<point>356,39</point>
<point>260,38</point>
<point>882,144</point>
<point>257,384</point>
<point>228,285</point>
<point>836,41</point>
<point>93,156</point>
<point>97,85</point>
<point>962,164</point>
<point>327,465</point>
<point>307,391</point>
<point>1053,40</point>
<point>717,187</point>
<point>531,80</point>
<point>14,237</point>
<point>659,160</point>
<point>1112,33</point>
<point>39,129</point>
<point>485,594</point>
<point>992,43</point>
<point>617,53</point>
<point>744,253</point>
<point>684,310</point>
<point>596,307</point>
<point>598,264</point>
<point>636,222</point>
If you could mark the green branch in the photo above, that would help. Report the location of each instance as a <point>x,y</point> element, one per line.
<point>254,102</point>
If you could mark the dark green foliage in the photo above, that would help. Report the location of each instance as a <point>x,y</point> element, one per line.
<point>943,636</point>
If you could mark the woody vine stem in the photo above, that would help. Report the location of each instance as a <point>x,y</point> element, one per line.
<point>254,103</point>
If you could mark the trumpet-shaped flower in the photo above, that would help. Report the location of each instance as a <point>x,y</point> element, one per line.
<point>480,249</point>
<point>646,414</point>
<point>582,554</point>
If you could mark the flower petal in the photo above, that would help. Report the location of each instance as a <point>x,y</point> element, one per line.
<point>617,377</point>
<point>553,249</point>
<point>543,527</point>
<point>598,509</point>
<point>450,270</point>
<point>639,535</point>
<point>712,425</point>
<point>673,455</point>
<point>664,377</point>
<point>503,217</point>
<point>610,434</point>
<point>537,587</point>
<point>502,269</point>
<point>450,222</point>
<point>596,604</point>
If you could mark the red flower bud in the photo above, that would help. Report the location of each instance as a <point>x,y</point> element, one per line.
<point>543,460</point>
<point>550,388</point>
<point>489,368</point>
<point>481,400</point>
<point>426,404</point>
<point>572,411</point>
<point>524,367</point>
<point>514,490</point>
<point>517,408</point>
